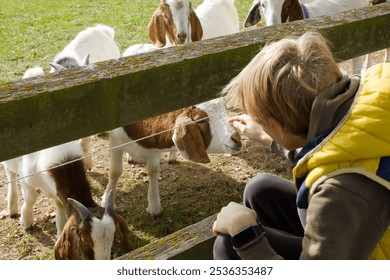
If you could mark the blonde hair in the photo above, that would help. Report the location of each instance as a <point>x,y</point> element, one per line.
<point>282,80</point>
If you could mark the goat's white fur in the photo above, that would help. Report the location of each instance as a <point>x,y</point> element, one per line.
<point>224,140</point>
<point>98,42</point>
<point>218,18</point>
<point>272,10</point>
<point>139,48</point>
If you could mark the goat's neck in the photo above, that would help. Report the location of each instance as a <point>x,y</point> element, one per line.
<point>154,126</point>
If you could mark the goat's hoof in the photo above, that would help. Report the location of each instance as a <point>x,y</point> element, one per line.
<point>172,161</point>
<point>29,228</point>
<point>154,214</point>
<point>14,215</point>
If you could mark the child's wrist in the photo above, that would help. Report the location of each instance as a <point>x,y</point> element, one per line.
<point>242,223</point>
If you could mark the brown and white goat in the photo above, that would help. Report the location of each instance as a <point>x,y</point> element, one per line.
<point>173,23</point>
<point>194,132</point>
<point>84,229</point>
<point>280,11</point>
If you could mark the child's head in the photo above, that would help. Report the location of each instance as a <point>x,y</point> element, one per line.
<point>280,83</point>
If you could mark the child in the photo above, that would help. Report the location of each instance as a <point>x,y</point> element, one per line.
<point>295,97</point>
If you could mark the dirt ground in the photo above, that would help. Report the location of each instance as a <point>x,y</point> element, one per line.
<point>38,243</point>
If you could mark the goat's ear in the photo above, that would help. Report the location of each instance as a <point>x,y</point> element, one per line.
<point>293,10</point>
<point>196,26</point>
<point>57,67</point>
<point>122,234</point>
<point>85,60</point>
<point>157,29</point>
<point>66,247</point>
<point>253,16</point>
<point>188,139</point>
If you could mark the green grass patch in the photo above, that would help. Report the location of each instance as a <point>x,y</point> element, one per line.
<point>32,32</point>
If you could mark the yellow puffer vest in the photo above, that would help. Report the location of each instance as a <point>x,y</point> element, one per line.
<point>357,144</point>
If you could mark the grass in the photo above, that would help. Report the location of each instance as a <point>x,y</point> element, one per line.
<point>34,31</point>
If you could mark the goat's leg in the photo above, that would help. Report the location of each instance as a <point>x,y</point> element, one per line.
<point>84,143</point>
<point>154,204</point>
<point>12,196</point>
<point>116,168</point>
<point>387,55</point>
<point>60,217</point>
<point>30,196</point>
<point>172,156</point>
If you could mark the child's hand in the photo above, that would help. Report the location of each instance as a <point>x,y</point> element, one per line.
<point>248,127</point>
<point>233,218</point>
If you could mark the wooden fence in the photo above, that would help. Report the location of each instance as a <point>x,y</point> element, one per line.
<point>45,111</point>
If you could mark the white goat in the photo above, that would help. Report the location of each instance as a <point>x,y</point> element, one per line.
<point>91,45</point>
<point>98,42</point>
<point>175,22</point>
<point>193,131</point>
<point>218,18</point>
<point>280,11</point>
<point>84,229</point>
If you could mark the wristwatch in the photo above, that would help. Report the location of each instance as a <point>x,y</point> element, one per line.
<point>246,236</point>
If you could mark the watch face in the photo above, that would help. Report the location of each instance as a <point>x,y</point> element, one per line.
<point>245,236</point>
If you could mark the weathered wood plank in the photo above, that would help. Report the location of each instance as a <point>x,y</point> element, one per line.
<point>194,242</point>
<point>46,111</point>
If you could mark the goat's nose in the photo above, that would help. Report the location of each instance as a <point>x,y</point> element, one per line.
<point>182,37</point>
<point>236,138</point>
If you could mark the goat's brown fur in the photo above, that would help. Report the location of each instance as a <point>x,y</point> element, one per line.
<point>190,131</point>
<point>291,10</point>
<point>75,241</point>
<point>162,25</point>
<point>185,121</point>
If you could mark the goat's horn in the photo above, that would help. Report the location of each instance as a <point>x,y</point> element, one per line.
<point>80,208</point>
<point>57,67</point>
<point>109,208</point>
<point>85,60</point>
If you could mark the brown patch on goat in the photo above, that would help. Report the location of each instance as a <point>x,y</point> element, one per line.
<point>153,126</point>
<point>75,242</point>
<point>71,182</point>
<point>196,26</point>
<point>193,134</point>
<point>160,25</point>
<point>291,10</point>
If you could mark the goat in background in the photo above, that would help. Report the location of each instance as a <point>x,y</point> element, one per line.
<point>280,11</point>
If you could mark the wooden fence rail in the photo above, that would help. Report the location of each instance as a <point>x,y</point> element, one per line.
<point>45,111</point>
